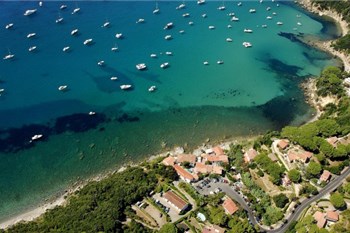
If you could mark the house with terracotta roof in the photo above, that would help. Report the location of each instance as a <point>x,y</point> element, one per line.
<point>325,177</point>
<point>320,219</point>
<point>208,169</point>
<point>186,158</point>
<point>296,154</point>
<point>169,161</point>
<point>249,155</point>
<point>213,229</point>
<point>283,144</point>
<point>218,150</point>
<point>184,174</point>
<point>175,201</point>
<point>229,206</point>
<point>332,216</point>
<point>215,159</point>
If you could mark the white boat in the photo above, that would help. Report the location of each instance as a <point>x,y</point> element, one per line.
<point>274,13</point>
<point>252,10</point>
<point>106,24</point>
<point>76,10</point>
<point>114,78</point>
<point>298,23</point>
<point>88,41</point>
<point>206,63</point>
<point>62,7</point>
<point>141,66</point>
<point>200,2</point>
<point>248,30</point>
<point>164,65</point>
<point>9,56</point>
<point>268,17</point>
<point>211,27</point>
<point>221,8</point>
<point>186,15</point>
<point>119,35</point>
<point>8,26</point>
<point>182,31</point>
<point>220,62</point>
<point>40,4</point>
<point>153,55</point>
<point>268,8</point>
<point>62,88</point>
<point>74,32</point>
<point>169,53</point>
<point>264,26</point>
<point>32,48</point>
<point>140,21</point>
<point>101,63</point>
<point>37,137</point>
<point>228,39</point>
<point>204,15</point>
<point>168,37</point>
<point>279,23</point>
<point>125,87</point>
<point>229,26</point>
<point>31,35</point>
<point>169,25</point>
<point>231,14</point>
<point>29,12</point>
<point>239,4</point>
<point>115,48</point>
<point>65,49</point>
<point>247,44</point>
<point>152,88</point>
<point>59,20</point>
<point>156,10</point>
<point>298,16</point>
<point>2,90</point>
<point>91,113</point>
<point>234,18</point>
<point>181,6</point>
<point>190,23</point>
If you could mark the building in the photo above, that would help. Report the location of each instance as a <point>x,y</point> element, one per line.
<point>217,159</point>
<point>325,177</point>
<point>320,219</point>
<point>186,158</point>
<point>283,144</point>
<point>212,229</point>
<point>299,155</point>
<point>229,206</point>
<point>250,155</point>
<point>218,150</point>
<point>185,175</point>
<point>169,161</point>
<point>207,169</point>
<point>175,201</point>
<point>332,216</point>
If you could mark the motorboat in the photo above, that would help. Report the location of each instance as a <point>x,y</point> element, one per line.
<point>141,66</point>
<point>153,55</point>
<point>40,4</point>
<point>88,41</point>
<point>8,26</point>
<point>169,53</point>
<point>106,24</point>
<point>182,31</point>
<point>268,8</point>
<point>168,37</point>
<point>62,88</point>
<point>156,10</point>
<point>181,6</point>
<point>229,26</point>
<point>211,27</point>
<point>274,13</point>
<point>248,30</point>
<point>62,7</point>
<point>200,2</point>
<point>32,48</point>
<point>125,86</point>
<point>29,12</point>
<point>228,39</point>
<point>220,62</point>
<point>152,88</point>
<point>204,15</point>
<point>74,32</point>
<point>115,48</point>
<point>247,44</point>
<point>279,23</point>
<point>234,18</point>
<point>30,35</point>
<point>206,63</point>
<point>37,137</point>
<point>190,23</point>
<point>91,113</point>
<point>186,15</point>
<point>76,10</point>
<point>299,24</point>
<point>231,14</point>
<point>119,35</point>
<point>268,17</point>
<point>164,65</point>
<point>168,25</point>
<point>9,56</point>
<point>239,4</point>
<point>252,10</point>
<point>221,8</point>
<point>264,26</point>
<point>140,21</point>
<point>101,63</point>
<point>114,78</point>
<point>65,49</point>
<point>59,20</point>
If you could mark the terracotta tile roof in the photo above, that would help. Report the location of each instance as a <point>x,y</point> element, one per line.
<point>325,175</point>
<point>296,154</point>
<point>183,173</point>
<point>218,170</point>
<point>283,144</point>
<point>202,168</point>
<point>332,216</point>
<point>250,155</point>
<point>218,150</point>
<point>186,158</point>
<point>215,158</point>
<point>229,206</point>
<point>305,155</point>
<point>213,229</point>
<point>169,161</point>
<point>319,218</point>
<point>175,200</point>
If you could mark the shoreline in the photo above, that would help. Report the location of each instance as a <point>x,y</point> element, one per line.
<point>310,94</point>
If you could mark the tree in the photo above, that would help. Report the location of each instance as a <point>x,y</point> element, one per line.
<point>308,189</point>
<point>280,200</point>
<point>337,200</point>
<point>314,169</point>
<point>294,175</point>
<point>272,215</point>
<point>218,216</point>
<point>347,188</point>
<point>168,228</point>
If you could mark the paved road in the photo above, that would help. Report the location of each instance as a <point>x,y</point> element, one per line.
<point>332,185</point>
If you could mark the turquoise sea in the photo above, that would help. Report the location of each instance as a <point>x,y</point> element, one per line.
<point>255,90</point>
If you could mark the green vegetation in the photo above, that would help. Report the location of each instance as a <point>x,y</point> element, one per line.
<point>307,225</point>
<point>294,175</point>
<point>218,216</point>
<point>239,226</point>
<point>343,225</point>
<point>329,83</point>
<point>308,189</point>
<point>337,200</point>
<point>280,200</point>
<point>313,170</point>
<point>192,192</point>
<point>168,228</point>
<point>273,169</point>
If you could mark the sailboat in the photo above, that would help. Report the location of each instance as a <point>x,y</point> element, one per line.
<point>60,19</point>
<point>156,10</point>
<point>9,56</point>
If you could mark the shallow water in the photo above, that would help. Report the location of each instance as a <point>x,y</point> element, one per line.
<point>255,90</point>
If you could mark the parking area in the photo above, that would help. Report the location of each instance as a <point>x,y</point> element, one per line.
<point>162,203</point>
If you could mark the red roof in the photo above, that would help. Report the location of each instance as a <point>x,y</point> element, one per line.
<point>250,155</point>
<point>186,158</point>
<point>218,150</point>
<point>229,206</point>
<point>283,144</point>
<point>325,175</point>
<point>216,158</point>
<point>296,154</point>
<point>319,218</point>
<point>213,229</point>
<point>169,161</point>
<point>202,168</point>
<point>175,200</point>
<point>183,173</point>
<point>332,216</point>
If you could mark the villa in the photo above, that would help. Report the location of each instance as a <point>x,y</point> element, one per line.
<point>326,176</point>
<point>320,219</point>
<point>332,216</point>
<point>229,206</point>
<point>250,155</point>
<point>213,229</point>
<point>175,201</point>
<point>296,154</point>
<point>184,174</point>
<point>283,144</point>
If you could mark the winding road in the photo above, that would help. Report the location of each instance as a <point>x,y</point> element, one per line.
<point>332,185</point>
